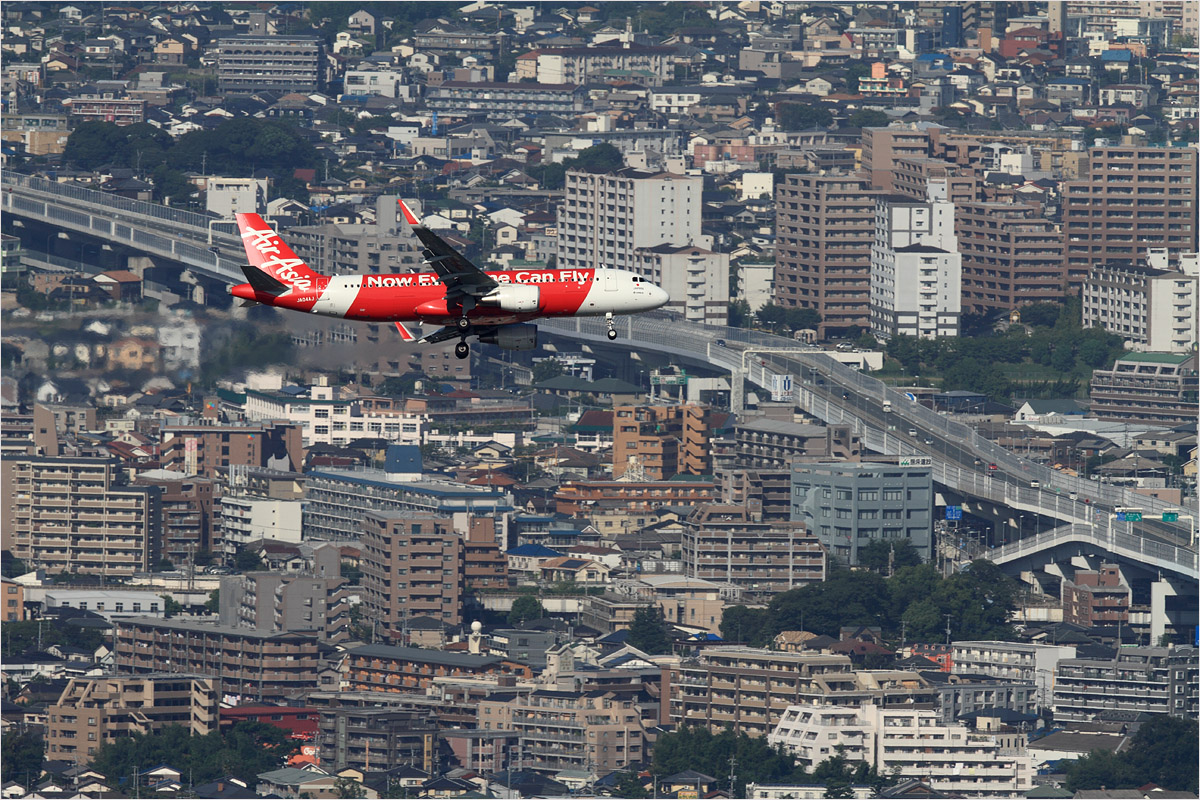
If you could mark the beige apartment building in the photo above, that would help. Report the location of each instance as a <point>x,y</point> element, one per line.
<point>74,515</point>
<point>1135,198</point>
<point>412,567</point>
<point>730,545</point>
<point>664,441</point>
<point>597,731</point>
<point>99,710</point>
<point>825,225</point>
<point>750,689</point>
<point>1011,256</point>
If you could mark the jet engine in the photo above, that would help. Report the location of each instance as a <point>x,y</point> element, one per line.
<point>518,297</point>
<point>513,337</point>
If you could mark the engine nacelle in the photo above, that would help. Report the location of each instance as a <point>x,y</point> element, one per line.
<point>517,297</point>
<point>513,337</point>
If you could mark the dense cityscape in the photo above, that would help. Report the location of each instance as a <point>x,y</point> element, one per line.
<point>896,495</point>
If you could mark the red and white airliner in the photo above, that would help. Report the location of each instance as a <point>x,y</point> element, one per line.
<point>494,306</point>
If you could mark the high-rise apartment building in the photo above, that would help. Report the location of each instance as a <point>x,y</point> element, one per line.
<point>916,270</point>
<point>882,147</point>
<point>1133,199</point>
<point>1151,309</point>
<point>847,506</point>
<point>1158,388</point>
<point>1017,661</point>
<point>729,545</point>
<point>187,514</point>
<point>697,279</point>
<point>248,64</point>
<point>195,448</point>
<point>75,515</point>
<point>1011,256</point>
<point>412,566</point>
<point>663,441</point>
<point>605,217</point>
<point>96,711</point>
<point>1152,680</point>
<point>825,225</point>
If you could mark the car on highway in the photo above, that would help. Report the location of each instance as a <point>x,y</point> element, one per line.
<point>912,432</point>
<point>720,342</point>
<point>992,467</point>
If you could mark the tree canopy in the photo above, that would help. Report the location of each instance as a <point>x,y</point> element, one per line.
<point>243,751</point>
<point>978,601</point>
<point>1163,751</point>
<point>648,631</point>
<point>787,320</point>
<point>22,753</point>
<point>803,117</point>
<point>525,608</point>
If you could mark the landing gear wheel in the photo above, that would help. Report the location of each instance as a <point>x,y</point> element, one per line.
<point>462,350</point>
<point>612,334</point>
<point>462,323</point>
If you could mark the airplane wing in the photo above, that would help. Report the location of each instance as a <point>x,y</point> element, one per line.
<point>459,275</point>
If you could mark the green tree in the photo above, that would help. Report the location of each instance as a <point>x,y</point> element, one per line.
<point>171,606</point>
<point>803,117</point>
<point>23,754</point>
<point>244,751</point>
<point>853,71</point>
<point>879,554</point>
<point>748,625</point>
<point>602,157</point>
<point>867,118</point>
<point>739,314</point>
<point>845,598</point>
<point>1163,751</point>
<point>247,560</point>
<point>1043,314</point>
<point>213,604</point>
<point>546,369</point>
<point>348,787</point>
<point>648,631</point>
<point>630,785</point>
<point>525,608</point>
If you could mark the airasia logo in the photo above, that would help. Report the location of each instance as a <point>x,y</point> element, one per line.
<point>267,243</point>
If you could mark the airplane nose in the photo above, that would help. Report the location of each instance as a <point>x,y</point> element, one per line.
<point>659,297</point>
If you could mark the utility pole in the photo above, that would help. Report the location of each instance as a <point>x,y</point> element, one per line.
<point>732,773</point>
<point>947,630</point>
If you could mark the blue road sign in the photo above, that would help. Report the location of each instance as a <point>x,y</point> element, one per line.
<point>954,512</point>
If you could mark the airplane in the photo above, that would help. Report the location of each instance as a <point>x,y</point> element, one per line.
<point>496,307</point>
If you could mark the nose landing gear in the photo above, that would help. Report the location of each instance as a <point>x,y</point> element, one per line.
<point>612,332</point>
<point>462,350</point>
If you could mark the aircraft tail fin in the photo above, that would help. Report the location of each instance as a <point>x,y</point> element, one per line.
<point>263,283</point>
<point>270,255</point>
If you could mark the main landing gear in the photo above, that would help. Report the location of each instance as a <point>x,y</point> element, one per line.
<point>462,323</point>
<point>462,350</point>
<point>612,332</point>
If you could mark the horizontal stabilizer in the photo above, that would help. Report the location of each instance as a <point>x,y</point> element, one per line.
<point>263,283</point>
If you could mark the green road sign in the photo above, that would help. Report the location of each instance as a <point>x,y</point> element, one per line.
<point>1170,516</point>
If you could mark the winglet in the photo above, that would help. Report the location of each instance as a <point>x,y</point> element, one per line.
<point>262,283</point>
<point>409,217</point>
<point>405,333</point>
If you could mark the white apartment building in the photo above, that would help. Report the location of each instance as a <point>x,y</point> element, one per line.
<point>1034,663</point>
<point>1154,310</point>
<point>576,65</point>
<point>696,279</point>
<point>378,83</point>
<point>908,742</point>
<point>247,519</point>
<point>324,419</point>
<point>605,218</point>
<point>916,270</point>
<point>756,284</point>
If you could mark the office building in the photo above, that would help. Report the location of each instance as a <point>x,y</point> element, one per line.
<point>594,732</point>
<point>499,102</point>
<point>1151,680</point>
<point>1019,661</point>
<point>749,689</point>
<point>663,441</point>
<point>846,506</point>
<point>916,270</point>
<point>605,218</point>
<point>825,225</point>
<point>1155,388</point>
<point>95,711</point>
<point>248,64</point>
<point>412,567</point>
<point>1151,309</point>
<point>729,545</point>
<point>1133,198</point>
<point>75,515</point>
<point>197,448</point>
<point>907,743</point>
<point>376,739</point>
<point>265,666</point>
<point>1011,256</point>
